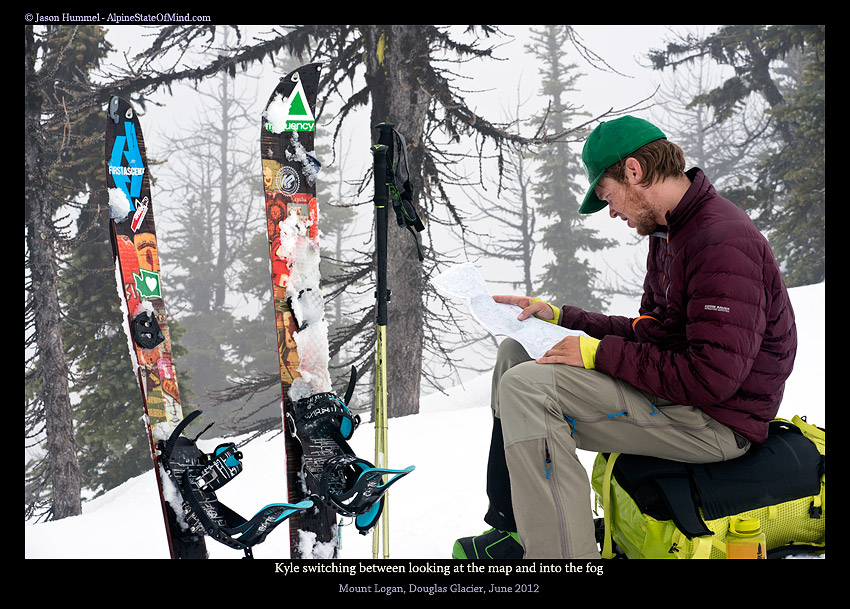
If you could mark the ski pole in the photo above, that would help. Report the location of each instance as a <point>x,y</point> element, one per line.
<point>382,294</point>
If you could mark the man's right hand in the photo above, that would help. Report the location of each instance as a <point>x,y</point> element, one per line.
<point>530,306</point>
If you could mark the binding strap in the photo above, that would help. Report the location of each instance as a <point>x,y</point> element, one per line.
<point>320,409</point>
<point>229,528</point>
<point>168,447</point>
<point>355,488</point>
<point>224,465</point>
<point>198,474</point>
<point>352,381</point>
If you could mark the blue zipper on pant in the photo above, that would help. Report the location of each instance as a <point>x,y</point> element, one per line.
<point>572,423</point>
<point>547,464</point>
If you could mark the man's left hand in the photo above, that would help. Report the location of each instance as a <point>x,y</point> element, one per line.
<point>567,351</point>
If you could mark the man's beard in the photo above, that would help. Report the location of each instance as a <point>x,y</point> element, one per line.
<point>643,217</point>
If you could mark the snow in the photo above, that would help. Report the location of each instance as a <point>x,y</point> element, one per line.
<point>277,114</point>
<point>119,204</point>
<point>309,164</point>
<point>308,306</point>
<point>442,500</point>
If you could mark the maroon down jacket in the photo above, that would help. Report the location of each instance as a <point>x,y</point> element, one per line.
<point>716,328</point>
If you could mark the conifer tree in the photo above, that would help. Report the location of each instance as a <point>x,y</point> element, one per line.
<point>62,163</point>
<point>559,187</point>
<point>785,66</point>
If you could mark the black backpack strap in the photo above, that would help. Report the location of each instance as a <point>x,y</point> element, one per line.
<point>662,488</point>
<point>677,494</point>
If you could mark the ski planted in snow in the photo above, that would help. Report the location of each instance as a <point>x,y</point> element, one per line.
<point>320,465</point>
<point>137,271</point>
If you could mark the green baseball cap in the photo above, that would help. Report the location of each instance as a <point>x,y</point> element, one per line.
<point>609,143</point>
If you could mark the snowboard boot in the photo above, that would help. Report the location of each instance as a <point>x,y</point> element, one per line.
<point>490,544</point>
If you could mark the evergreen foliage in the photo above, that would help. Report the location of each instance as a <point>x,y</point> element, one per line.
<point>785,66</point>
<point>569,278</point>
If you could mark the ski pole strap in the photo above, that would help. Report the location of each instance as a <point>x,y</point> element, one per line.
<point>398,173</point>
<point>398,181</point>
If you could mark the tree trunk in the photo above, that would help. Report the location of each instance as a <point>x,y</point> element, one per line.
<point>394,55</point>
<point>62,466</point>
<point>224,195</point>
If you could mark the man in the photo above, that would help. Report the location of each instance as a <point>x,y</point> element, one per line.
<point>695,377</point>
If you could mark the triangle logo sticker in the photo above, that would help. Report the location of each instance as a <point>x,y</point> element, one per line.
<point>297,106</point>
<point>290,114</point>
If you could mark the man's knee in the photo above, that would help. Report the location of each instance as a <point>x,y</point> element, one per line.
<point>522,406</point>
<point>512,352</point>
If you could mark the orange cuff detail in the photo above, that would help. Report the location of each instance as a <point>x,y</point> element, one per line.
<point>637,319</point>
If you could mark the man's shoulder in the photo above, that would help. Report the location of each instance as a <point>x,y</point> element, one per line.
<point>718,220</point>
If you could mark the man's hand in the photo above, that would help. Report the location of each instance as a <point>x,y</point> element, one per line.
<point>539,309</point>
<point>567,351</point>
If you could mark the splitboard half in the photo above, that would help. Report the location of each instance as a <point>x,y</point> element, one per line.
<point>289,182</point>
<point>321,467</point>
<point>138,276</point>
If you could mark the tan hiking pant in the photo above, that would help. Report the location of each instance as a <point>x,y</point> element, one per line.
<point>547,411</point>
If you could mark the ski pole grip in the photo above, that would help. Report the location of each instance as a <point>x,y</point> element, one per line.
<point>379,161</point>
<point>385,134</point>
<point>379,164</point>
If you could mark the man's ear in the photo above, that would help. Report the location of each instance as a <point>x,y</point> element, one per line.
<point>634,172</point>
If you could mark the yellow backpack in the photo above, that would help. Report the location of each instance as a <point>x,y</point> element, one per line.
<point>654,508</point>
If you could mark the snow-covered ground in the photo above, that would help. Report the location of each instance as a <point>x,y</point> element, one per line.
<point>443,499</point>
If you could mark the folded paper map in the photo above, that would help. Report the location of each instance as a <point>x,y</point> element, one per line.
<point>464,282</point>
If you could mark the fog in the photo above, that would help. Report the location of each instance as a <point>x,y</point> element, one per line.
<point>617,79</point>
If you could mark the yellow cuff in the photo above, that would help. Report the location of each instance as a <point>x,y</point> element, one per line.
<point>588,348</point>
<point>555,311</point>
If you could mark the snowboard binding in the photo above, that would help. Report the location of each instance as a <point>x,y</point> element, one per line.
<point>198,475</point>
<point>333,474</point>
<point>354,487</point>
